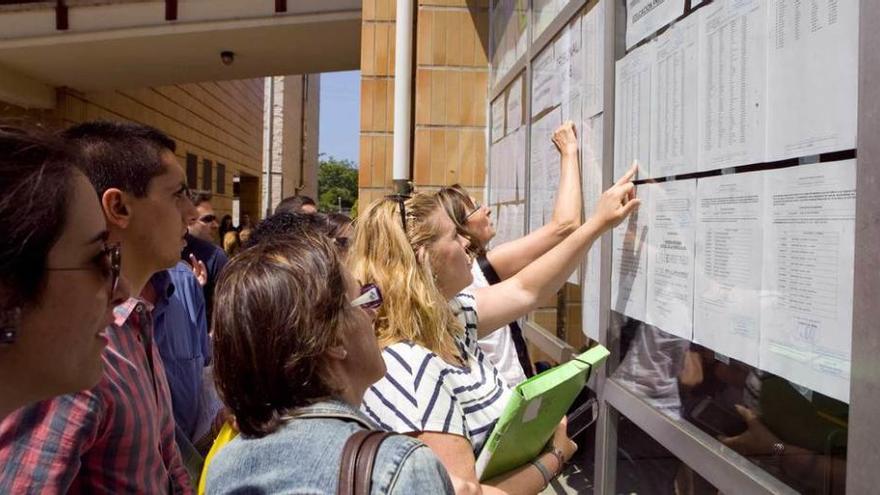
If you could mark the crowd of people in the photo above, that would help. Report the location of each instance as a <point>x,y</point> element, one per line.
<point>147,346</point>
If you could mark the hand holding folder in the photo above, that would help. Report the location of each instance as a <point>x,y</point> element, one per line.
<point>536,407</point>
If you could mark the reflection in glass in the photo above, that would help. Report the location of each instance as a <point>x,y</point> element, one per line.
<point>794,433</point>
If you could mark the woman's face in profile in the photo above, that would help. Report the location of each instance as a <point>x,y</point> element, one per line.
<point>479,222</point>
<point>61,337</point>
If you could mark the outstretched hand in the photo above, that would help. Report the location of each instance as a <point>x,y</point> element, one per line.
<point>618,201</point>
<point>565,138</point>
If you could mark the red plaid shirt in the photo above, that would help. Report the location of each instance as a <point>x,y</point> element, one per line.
<point>117,437</point>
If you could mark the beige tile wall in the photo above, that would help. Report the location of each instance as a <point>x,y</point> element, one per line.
<point>451,88</point>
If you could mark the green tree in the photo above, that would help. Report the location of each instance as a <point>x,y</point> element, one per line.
<point>337,183</point>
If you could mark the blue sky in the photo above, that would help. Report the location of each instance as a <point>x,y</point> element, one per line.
<point>339,122</point>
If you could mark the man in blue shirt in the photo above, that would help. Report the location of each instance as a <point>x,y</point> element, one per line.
<point>181,335</point>
<point>198,244</point>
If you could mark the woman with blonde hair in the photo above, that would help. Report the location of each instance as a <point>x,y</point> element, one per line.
<point>505,347</point>
<point>439,387</point>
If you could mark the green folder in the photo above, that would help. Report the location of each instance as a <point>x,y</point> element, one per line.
<point>535,408</point>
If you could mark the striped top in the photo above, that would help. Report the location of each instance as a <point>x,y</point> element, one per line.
<point>117,437</point>
<point>422,392</point>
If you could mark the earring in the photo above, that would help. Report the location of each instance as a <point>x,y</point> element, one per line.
<point>9,322</point>
<point>344,354</point>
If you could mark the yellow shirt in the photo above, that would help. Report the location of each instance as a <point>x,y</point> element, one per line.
<point>227,433</point>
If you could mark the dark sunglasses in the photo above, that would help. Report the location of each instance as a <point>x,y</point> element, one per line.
<point>401,203</point>
<point>108,261</point>
<point>208,218</point>
<point>370,298</point>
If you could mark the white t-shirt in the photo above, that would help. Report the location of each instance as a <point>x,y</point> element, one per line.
<point>498,345</point>
<point>422,392</point>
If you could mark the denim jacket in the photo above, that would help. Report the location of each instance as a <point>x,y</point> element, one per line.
<point>304,456</point>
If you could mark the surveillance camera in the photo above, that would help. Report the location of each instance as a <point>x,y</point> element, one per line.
<point>227,57</point>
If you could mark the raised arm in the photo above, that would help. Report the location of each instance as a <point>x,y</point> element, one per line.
<point>504,302</point>
<point>510,257</point>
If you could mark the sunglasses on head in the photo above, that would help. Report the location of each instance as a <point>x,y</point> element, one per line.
<point>108,261</point>
<point>401,203</point>
<point>370,298</point>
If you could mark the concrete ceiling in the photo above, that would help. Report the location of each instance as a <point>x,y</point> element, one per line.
<point>171,53</point>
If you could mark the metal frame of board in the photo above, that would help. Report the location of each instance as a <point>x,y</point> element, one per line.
<point>719,465</point>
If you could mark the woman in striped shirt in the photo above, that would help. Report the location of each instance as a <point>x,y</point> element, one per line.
<point>439,387</point>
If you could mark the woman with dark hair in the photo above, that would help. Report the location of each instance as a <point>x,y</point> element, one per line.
<point>225,226</point>
<point>59,278</point>
<point>294,353</point>
<point>506,347</point>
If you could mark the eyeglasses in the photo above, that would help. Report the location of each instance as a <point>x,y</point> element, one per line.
<point>370,298</point>
<point>109,262</point>
<point>477,207</point>
<point>208,218</point>
<point>401,203</point>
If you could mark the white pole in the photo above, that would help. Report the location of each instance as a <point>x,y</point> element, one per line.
<point>402,94</point>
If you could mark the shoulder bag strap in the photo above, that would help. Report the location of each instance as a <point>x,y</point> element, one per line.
<point>358,457</point>
<point>519,342</point>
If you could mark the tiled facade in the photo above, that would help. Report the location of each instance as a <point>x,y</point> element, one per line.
<point>218,127</point>
<point>450,95</point>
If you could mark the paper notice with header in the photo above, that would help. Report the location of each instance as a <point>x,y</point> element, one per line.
<point>590,135</point>
<point>629,259</point>
<point>670,292</point>
<point>673,98</point>
<point>632,116</point>
<point>546,81</point>
<point>732,83</point>
<point>593,51</point>
<point>645,17</point>
<point>498,111</point>
<point>727,295</point>
<point>812,71</point>
<point>544,169</point>
<point>806,322</point>
<point>514,105</point>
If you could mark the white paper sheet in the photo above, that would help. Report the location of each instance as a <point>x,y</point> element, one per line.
<point>806,320</point>
<point>645,17</point>
<point>593,51</point>
<point>570,66</point>
<point>544,11</point>
<point>732,83</point>
<point>670,293</point>
<point>727,287</point>
<point>498,110</point>
<point>514,105</point>
<point>673,99</point>
<point>632,102</point>
<point>546,82</point>
<point>544,169</point>
<point>629,260</point>
<point>519,161</point>
<point>590,134</point>
<point>812,70</point>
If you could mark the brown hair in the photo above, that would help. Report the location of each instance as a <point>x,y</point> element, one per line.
<point>399,262</point>
<point>458,204</point>
<point>36,178</point>
<point>278,308</point>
